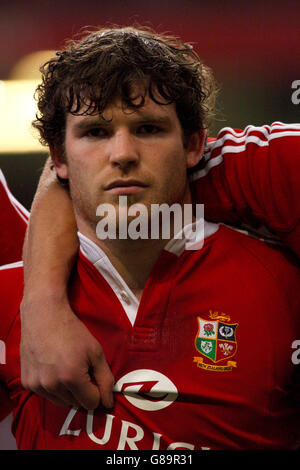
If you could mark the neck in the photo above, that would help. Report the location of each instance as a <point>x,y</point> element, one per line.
<point>133,259</point>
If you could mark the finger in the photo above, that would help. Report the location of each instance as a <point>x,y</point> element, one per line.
<point>105,381</point>
<point>61,394</point>
<point>84,391</point>
<point>54,398</point>
<point>55,392</point>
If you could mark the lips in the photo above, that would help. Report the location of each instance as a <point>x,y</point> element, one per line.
<point>125,184</point>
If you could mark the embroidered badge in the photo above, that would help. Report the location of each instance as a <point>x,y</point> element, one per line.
<point>216,342</point>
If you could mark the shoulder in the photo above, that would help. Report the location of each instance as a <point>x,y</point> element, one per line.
<point>276,263</point>
<point>240,149</point>
<point>8,200</point>
<point>231,140</point>
<point>11,274</point>
<point>13,223</point>
<point>11,292</point>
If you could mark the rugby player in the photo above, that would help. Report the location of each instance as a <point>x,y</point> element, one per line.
<point>143,329</point>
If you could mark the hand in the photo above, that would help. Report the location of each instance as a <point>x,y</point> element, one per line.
<point>58,354</point>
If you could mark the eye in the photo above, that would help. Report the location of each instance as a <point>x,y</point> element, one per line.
<point>149,129</point>
<point>96,132</point>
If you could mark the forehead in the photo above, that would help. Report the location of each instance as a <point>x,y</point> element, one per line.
<point>117,109</point>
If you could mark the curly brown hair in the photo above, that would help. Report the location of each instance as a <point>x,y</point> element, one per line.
<point>107,63</point>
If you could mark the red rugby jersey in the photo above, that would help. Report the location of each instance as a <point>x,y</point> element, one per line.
<point>253,175</point>
<point>204,364</point>
<point>13,223</point>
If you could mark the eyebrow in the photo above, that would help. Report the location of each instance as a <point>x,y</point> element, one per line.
<point>140,119</point>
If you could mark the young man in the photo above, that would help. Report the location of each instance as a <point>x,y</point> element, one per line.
<point>195,366</point>
<point>241,180</point>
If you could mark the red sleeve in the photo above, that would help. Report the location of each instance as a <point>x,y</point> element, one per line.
<point>11,291</point>
<point>13,222</point>
<point>5,404</point>
<point>253,176</point>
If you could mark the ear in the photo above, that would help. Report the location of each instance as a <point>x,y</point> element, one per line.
<point>195,148</point>
<point>59,161</point>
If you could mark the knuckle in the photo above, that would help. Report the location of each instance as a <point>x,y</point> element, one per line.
<point>50,385</point>
<point>98,352</point>
<point>33,386</point>
<point>68,378</point>
<point>90,403</point>
<point>30,383</point>
<point>96,348</point>
<point>25,384</point>
<point>112,382</point>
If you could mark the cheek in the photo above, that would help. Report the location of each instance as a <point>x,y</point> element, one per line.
<point>171,157</point>
<point>78,161</point>
<point>175,165</point>
<point>172,176</point>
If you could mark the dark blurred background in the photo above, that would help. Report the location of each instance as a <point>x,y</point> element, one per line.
<point>253,48</point>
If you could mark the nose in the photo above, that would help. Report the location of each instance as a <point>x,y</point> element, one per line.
<point>123,149</point>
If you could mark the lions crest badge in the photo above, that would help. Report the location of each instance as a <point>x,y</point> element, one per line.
<point>216,342</point>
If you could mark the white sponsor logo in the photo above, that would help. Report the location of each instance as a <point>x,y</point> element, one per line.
<point>147,389</point>
<point>129,436</point>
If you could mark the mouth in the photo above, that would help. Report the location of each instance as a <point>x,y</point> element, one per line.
<point>125,187</point>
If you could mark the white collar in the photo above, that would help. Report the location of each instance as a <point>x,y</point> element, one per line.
<point>176,245</point>
<point>125,295</point>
